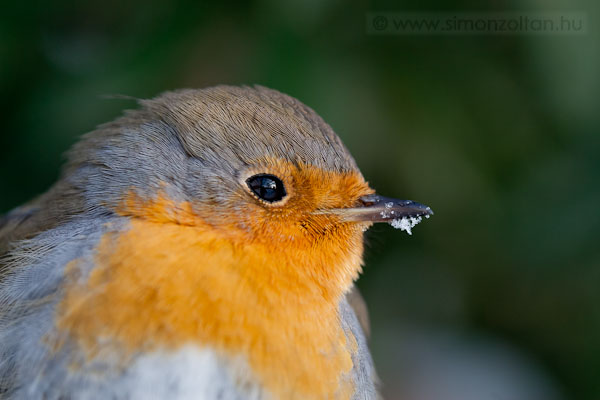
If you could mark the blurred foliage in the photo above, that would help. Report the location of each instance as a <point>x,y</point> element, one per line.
<point>498,134</point>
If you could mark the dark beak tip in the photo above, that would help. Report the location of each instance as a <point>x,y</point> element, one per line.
<point>427,210</point>
<point>394,207</point>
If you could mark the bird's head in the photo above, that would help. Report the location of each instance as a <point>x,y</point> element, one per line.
<point>253,162</point>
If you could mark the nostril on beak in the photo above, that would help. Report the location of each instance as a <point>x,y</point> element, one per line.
<point>369,200</point>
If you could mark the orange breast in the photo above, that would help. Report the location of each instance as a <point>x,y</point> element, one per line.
<point>162,285</point>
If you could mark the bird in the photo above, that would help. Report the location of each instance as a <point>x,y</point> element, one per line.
<point>203,245</point>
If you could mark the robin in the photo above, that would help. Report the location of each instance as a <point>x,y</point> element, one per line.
<point>203,246</point>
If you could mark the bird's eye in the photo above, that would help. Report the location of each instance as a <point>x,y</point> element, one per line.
<point>267,187</point>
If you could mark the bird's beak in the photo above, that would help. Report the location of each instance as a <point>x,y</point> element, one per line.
<point>377,208</point>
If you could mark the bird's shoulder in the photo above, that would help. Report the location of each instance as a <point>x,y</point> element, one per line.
<point>41,214</point>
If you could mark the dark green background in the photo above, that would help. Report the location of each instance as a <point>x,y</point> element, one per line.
<point>498,134</point>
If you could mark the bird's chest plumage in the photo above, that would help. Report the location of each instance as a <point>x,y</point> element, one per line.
<point>160,288</point>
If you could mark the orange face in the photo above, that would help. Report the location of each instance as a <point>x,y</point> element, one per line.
<point>263,284</point>
<point>300,218</point>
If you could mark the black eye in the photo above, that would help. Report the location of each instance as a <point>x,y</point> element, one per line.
<point>267,187</point>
